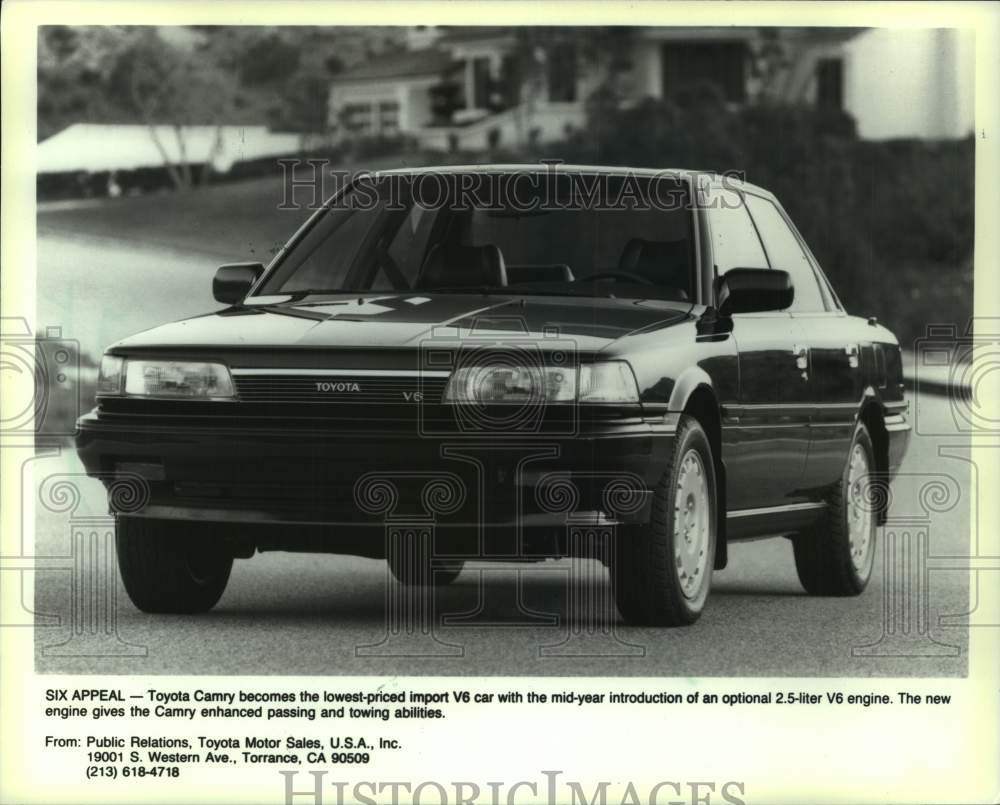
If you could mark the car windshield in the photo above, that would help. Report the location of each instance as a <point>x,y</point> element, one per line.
<point>571,234</point>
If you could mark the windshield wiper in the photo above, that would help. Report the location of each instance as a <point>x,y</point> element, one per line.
<point>485,290</point>
<point>332,291</point>
<point>500,290</point>
<point>520,289</point>
<point>295,313</point>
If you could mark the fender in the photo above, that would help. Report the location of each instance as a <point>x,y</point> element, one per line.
<point>690,379</point>
<point>872,412</point>
<point>693,379</point>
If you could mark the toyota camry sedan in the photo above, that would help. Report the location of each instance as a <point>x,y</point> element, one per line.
<point>509,363</point>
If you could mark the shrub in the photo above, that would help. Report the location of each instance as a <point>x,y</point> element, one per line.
<point>373,147</point>
<point>890,222</point>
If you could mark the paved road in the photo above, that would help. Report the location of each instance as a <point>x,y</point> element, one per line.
<point>303,614</point>
<point>99,290</point>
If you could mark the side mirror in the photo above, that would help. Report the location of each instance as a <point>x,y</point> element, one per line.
<point>233,281</point>
<point>753,290</point>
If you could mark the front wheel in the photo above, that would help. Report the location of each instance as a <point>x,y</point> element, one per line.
<point>170,566</point>
<point>662,572</point>
<point>836,556</point>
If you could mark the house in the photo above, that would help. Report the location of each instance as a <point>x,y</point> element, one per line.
<point>481,87</point>
<point>913,82</point>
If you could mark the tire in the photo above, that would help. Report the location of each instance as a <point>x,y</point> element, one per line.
<point>169,566</point>
<point>659,576</point>
<point>416,568</point>
<point>830,558</point>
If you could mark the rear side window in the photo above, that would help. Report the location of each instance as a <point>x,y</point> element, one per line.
<point>785,252</point>
<point>734,240</point>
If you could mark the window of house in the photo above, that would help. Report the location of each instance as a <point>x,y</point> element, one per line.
<point>357,117</point>
<point>830,83</point>
<point>721,63</point>
<point>785,252</point>
<point>388,117</point>
<point>561,61</point>
<point>734,240</point>
<point>445,99</point>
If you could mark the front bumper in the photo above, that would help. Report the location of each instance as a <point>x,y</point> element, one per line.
<point>601,474</point>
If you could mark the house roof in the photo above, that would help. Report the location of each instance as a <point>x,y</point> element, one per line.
<point>96,147</point>
<point>406,64</point>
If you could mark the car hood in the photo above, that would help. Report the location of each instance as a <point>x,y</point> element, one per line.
<point>405,320</point>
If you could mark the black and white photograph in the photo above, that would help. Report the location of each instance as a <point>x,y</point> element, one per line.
<point>623,354</point>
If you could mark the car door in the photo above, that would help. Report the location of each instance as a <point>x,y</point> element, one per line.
<point>766,434</point>
<point>834,355</point>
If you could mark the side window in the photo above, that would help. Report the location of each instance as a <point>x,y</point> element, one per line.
<point>785,253</point>
<point>734,240</point>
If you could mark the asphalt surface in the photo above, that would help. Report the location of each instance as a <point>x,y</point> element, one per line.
<point>306,614</point>
<point>98,290</point>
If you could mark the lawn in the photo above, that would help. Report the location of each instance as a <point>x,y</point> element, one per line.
<point>226,220</point>
<point>242,220</point>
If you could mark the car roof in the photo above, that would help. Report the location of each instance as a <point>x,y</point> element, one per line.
<point>608,170</point>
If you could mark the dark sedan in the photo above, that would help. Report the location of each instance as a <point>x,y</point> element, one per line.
<point>509,363</point>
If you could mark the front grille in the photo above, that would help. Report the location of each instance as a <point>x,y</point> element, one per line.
<point>340,388</point>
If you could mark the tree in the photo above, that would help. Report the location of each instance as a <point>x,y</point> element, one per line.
<point>181,76</point>
<point>123,74</point>
<point>769,63</point>
<point>162,85</point>
<point>74,64</point>
<point>603,51</point>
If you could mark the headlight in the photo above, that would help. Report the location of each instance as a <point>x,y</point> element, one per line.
<point>608,382</point>
<point>177,379</point>
<point>512,385</point>
<point>491,384</point>
<point>109,378</point>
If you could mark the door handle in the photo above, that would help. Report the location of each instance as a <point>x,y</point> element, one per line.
<point>851,350</point>
<point>801,355</point>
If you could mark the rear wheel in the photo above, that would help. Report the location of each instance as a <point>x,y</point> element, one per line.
<point>171,566</point>
<point>836,556</point>
<point>663,572</point>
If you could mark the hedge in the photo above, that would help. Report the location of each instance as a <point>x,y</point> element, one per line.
<point>891,222</point>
